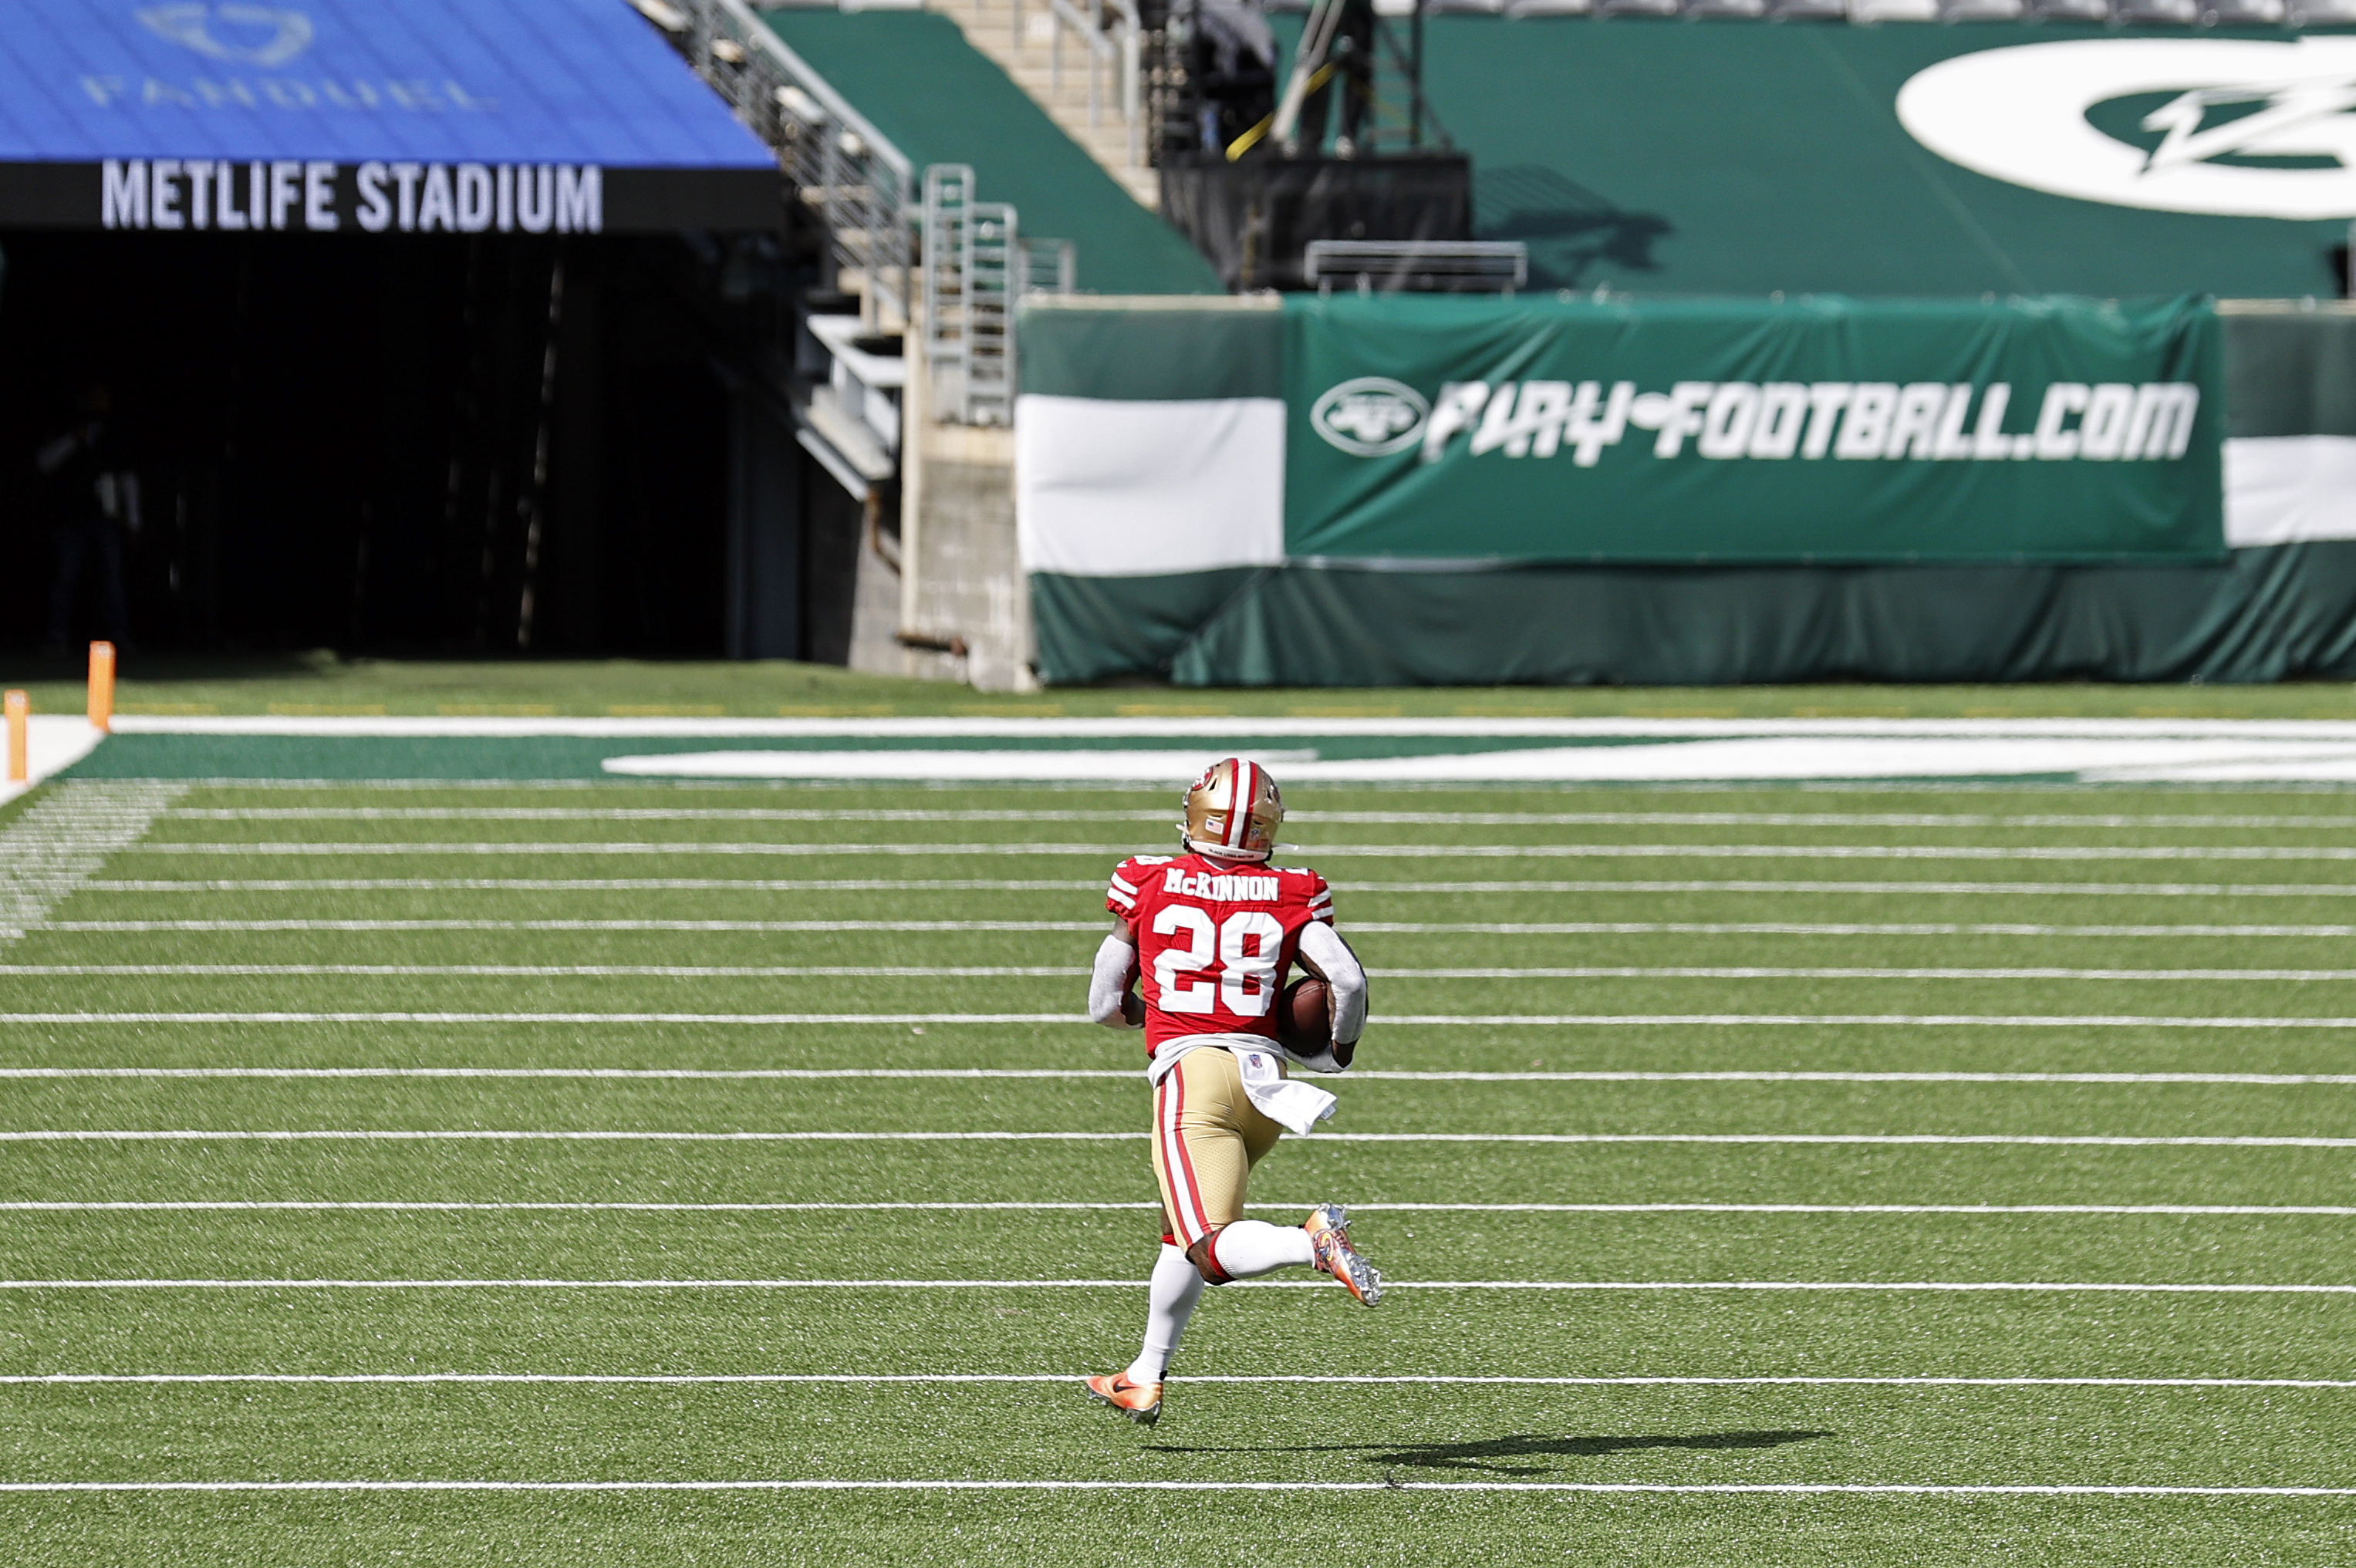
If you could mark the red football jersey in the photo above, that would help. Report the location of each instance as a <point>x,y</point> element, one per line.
<point>1213,945</point>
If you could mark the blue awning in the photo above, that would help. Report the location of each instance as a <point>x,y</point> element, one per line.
<point>377,115</point>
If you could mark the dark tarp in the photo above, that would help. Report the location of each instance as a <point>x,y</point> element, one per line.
<point>2264,614</point>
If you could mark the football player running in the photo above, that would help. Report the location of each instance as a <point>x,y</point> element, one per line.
<point>1212,934</point>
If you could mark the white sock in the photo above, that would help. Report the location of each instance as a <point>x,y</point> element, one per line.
<point>1176,1286</point>
<point>1249,1248</point>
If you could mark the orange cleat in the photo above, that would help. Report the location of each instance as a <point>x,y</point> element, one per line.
<point>1329,1239</point>
<point>1142,1403</point>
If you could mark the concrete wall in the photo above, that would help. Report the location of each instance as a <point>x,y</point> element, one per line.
<point>958,582</point>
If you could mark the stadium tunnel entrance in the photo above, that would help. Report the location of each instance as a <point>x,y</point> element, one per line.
<point>474,444</point>
<point>414,330</point>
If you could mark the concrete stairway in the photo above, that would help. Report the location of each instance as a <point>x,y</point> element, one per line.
<point>989,26</point>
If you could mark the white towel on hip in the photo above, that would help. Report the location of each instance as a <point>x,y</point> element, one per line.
<point>1293,1105</point>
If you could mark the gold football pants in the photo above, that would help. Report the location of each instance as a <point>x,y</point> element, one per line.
<point>1207,1135</point>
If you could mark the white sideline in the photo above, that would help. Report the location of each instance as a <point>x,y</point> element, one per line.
<point>434,1206</point>
<point>1089,884</point>
<point>1469,1020</point>
<point>1215,728</point>
<point>1893,1488</point>
<point>691,847</point>
<point>1969,1287</point>
<point>1127,1076</point>
<point>634,1135</point>
<point>1069,972</point>
<point>692,1379</point>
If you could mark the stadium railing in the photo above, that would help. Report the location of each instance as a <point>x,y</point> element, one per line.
<point>1425,265</point>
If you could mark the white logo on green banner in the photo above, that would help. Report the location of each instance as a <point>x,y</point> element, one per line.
<point>2235,127</point>
<point>1372,416</point>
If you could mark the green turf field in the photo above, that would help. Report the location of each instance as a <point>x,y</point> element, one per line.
<point>696,1180</point>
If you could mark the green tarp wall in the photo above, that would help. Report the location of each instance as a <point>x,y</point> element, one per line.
<point>2255,613</point>
<point>940,100</point>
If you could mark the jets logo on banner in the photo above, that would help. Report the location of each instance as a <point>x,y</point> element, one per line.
<point>1372,416</point>
<point>2234,127</point>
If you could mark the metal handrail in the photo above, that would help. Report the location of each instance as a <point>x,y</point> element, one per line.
<point>1124,52</point>
<point>1503,262</point>
<point>843,169</point>
<point>805,77</point>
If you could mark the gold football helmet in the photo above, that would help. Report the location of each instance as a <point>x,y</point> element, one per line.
<point>1233,812</point>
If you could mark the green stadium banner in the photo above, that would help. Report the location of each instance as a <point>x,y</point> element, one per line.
<point>1236,491</point>
<point>1451,428</point>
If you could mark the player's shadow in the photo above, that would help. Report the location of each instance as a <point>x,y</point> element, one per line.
<point>1480,1455</point>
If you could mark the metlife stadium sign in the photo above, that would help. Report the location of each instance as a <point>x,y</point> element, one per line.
<point>365,117</point>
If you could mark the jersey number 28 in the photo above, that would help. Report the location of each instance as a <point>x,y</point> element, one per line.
<point>1247,981</point>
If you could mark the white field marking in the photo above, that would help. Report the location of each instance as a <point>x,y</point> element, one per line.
<point>612,1135</point>
<point>1127,1076</point>
<point>1066,971</point>
<point>1377,927</point>
<point>48,852</point>
<point>1877,1287</point>
<point>860,1379</point>
<point>817,1485</point>
<point>595,971</point>
<point>1386,851</point>
<point>769,926</point>
<point>760,814</point>
<point>601,884</point>
<point>1380,818</point>
<point>1215,728</point>
<point>134,1206</point>
<point>1802,928</point>
<point>1092,884</point>
<point>1466,1021</point>
<point>607,1017</point>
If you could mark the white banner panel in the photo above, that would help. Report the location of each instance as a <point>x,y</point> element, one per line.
<point>1148,489</point>
<point>2281,489</point>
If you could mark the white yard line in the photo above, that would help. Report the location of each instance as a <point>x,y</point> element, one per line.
<point>1775,1488</point>
<point>1874,1286</point>
<point>1356,927</point>
<point>1378,818</point>
<point>1470,1020</point>
<point>1069,972</point>
<point>1320,1379</point>
<point>133,1206</point>
<point>634,1135</point>
<point>1417,888</point>
<point>691,847</point>
<point>600,884</point>
<point>769,926</point>
<point>1128,1075</point>
<point>595,971</point>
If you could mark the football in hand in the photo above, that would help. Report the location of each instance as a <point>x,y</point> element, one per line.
<point>1304,1020</point>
